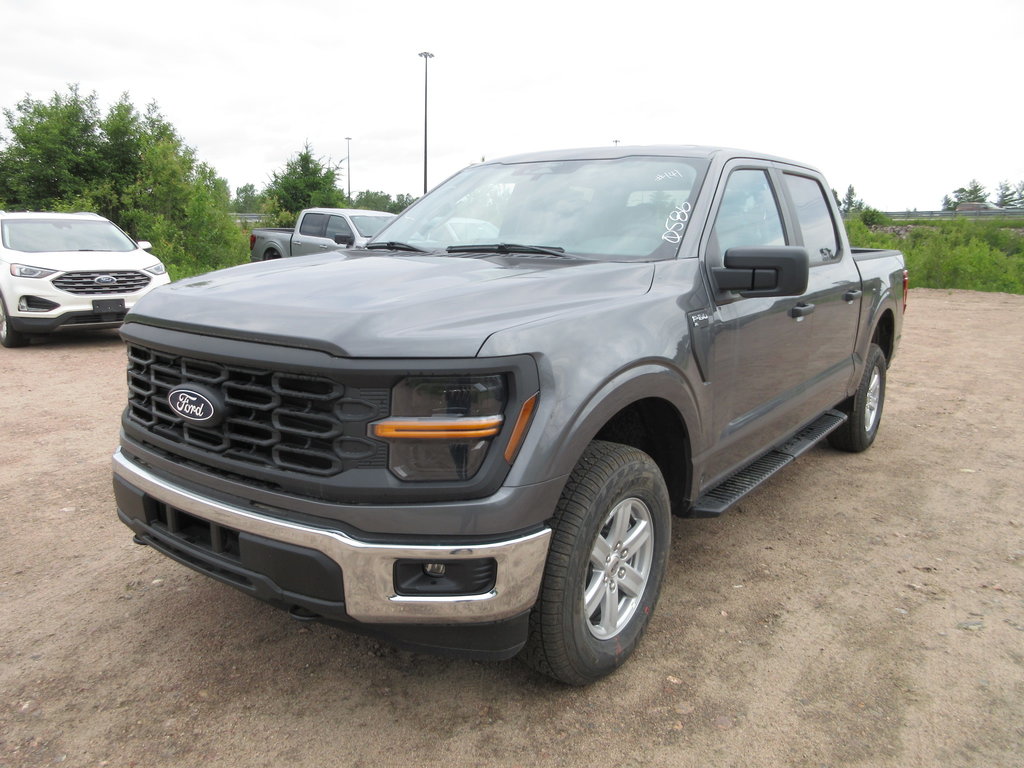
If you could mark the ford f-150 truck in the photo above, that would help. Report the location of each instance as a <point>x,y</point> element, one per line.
<point>317,230</point>
<point>472,438</point>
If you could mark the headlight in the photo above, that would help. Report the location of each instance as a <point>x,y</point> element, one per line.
<point>157,269</point>
<point>441,426</point>
<point>23,270</point>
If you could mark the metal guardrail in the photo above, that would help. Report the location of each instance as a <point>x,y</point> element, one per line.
<point>1005,213</point>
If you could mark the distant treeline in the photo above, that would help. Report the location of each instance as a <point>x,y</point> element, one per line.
<point>972,254</point>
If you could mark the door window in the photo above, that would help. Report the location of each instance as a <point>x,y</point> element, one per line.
<point>313,224</point>
<point>336,225</point>
<point>749,214</point>
<point>814,219</point>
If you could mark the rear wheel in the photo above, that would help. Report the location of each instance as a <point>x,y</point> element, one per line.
<point>865,408</point>
<point>270,253</point>
<point>605,566</point>
<point>8,336</point>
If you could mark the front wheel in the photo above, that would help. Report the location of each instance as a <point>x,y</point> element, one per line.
<point>8,336</point>
<point>865,408</point>
<point>609,546</point>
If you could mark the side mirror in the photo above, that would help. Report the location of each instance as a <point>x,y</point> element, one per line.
<point>144,244</point>
<point>345,240</point>
<point>769,270</point>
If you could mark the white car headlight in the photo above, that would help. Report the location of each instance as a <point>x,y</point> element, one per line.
<point>23,270</point>
<point>157,269</point>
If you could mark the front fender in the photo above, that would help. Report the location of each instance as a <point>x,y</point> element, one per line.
<point>564,427</point>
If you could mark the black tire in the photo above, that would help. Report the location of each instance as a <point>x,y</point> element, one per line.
<point>9,337</point>
<point>615,498</point>
<point>864,408</point>
<point>271,253</point>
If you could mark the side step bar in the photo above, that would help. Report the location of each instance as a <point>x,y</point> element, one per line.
<point>733,488</point>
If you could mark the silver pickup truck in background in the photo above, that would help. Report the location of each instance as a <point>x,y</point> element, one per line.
<point>317,230</point>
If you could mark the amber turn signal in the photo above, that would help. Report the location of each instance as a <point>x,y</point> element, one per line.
<point>438,429</point>
<point>519,430</point>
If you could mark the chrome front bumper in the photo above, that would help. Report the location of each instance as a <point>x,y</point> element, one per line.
<point>368,568</point>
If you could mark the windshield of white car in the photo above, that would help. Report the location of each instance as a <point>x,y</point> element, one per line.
<point>64,235</point>
<point>369,226</point>
<point>621,209</point>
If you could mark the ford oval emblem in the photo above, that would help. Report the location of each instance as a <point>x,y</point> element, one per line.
<point>193,406</point>
<point>105,279</point>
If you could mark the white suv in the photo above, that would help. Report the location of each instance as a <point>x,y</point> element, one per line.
<point>68,270</point>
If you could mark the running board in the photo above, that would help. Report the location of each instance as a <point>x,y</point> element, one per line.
<point>735,487</point>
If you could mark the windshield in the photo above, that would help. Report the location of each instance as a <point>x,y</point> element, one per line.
<point>44,235</point>
<point>630,208</point>
<point>369,226</point>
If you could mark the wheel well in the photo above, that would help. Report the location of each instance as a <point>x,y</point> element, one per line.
<point>656,428</point>
<point>884,333</point>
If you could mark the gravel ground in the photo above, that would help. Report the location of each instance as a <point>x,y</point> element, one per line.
<point>859,610</point>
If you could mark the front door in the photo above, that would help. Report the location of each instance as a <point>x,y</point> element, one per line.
<point>760,351</point>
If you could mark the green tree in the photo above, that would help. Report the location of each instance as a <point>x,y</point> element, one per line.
<point>52,151</point>
<point>129,166</point>
<point>402,201</point>
<point>306,182</point>
<point>851,204</point>
<point>382,201</point>
<point>974,192</point>
<point>247,199</point>
<point>1010,197</point>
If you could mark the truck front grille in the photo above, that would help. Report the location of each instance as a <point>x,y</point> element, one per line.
<point>101,282</point>
<point>295,422</point>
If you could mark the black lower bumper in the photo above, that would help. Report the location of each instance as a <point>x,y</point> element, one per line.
<point>66,322</point>
<point>300,580</point>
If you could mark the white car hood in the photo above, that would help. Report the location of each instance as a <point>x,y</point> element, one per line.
<point>84,261</point>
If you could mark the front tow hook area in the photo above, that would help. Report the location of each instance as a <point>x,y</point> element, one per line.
<point>299,613</point>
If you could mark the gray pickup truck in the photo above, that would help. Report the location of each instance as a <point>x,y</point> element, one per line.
<point>317,230</point>
<point>471,436</point>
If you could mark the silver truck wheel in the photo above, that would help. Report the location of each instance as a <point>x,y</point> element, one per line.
<point>619,570</point>
<point>609,546</point>
<point>864,408</point>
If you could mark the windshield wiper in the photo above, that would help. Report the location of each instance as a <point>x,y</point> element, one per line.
<point>392,245</point>
<point>549,250</point>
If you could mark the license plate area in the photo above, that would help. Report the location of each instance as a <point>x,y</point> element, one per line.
<point>107,306</point>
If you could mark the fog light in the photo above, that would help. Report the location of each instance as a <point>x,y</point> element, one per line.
<point>451,577</point>
<point>36,304</point>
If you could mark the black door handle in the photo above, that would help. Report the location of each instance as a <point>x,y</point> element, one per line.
<point>851,295</point>
<point>801,310</point>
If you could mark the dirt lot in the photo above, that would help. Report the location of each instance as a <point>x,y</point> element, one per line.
<point>860,610</point>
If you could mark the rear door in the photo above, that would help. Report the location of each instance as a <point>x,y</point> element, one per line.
<point>833,288</point>
<point>311,237</point>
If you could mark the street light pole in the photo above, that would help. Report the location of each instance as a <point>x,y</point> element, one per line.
<point>427,56</point>
<point>348,165</point>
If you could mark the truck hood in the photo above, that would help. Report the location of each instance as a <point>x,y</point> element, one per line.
<point>355,305</point>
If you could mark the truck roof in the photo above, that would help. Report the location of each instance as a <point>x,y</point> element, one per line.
<point>608,153</point>
<point>350,211</point>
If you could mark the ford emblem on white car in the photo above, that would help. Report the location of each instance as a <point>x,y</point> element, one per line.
<point>105,279</point>
<point>193,406</point>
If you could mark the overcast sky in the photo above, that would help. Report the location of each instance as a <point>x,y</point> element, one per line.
<point>905,99</point>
